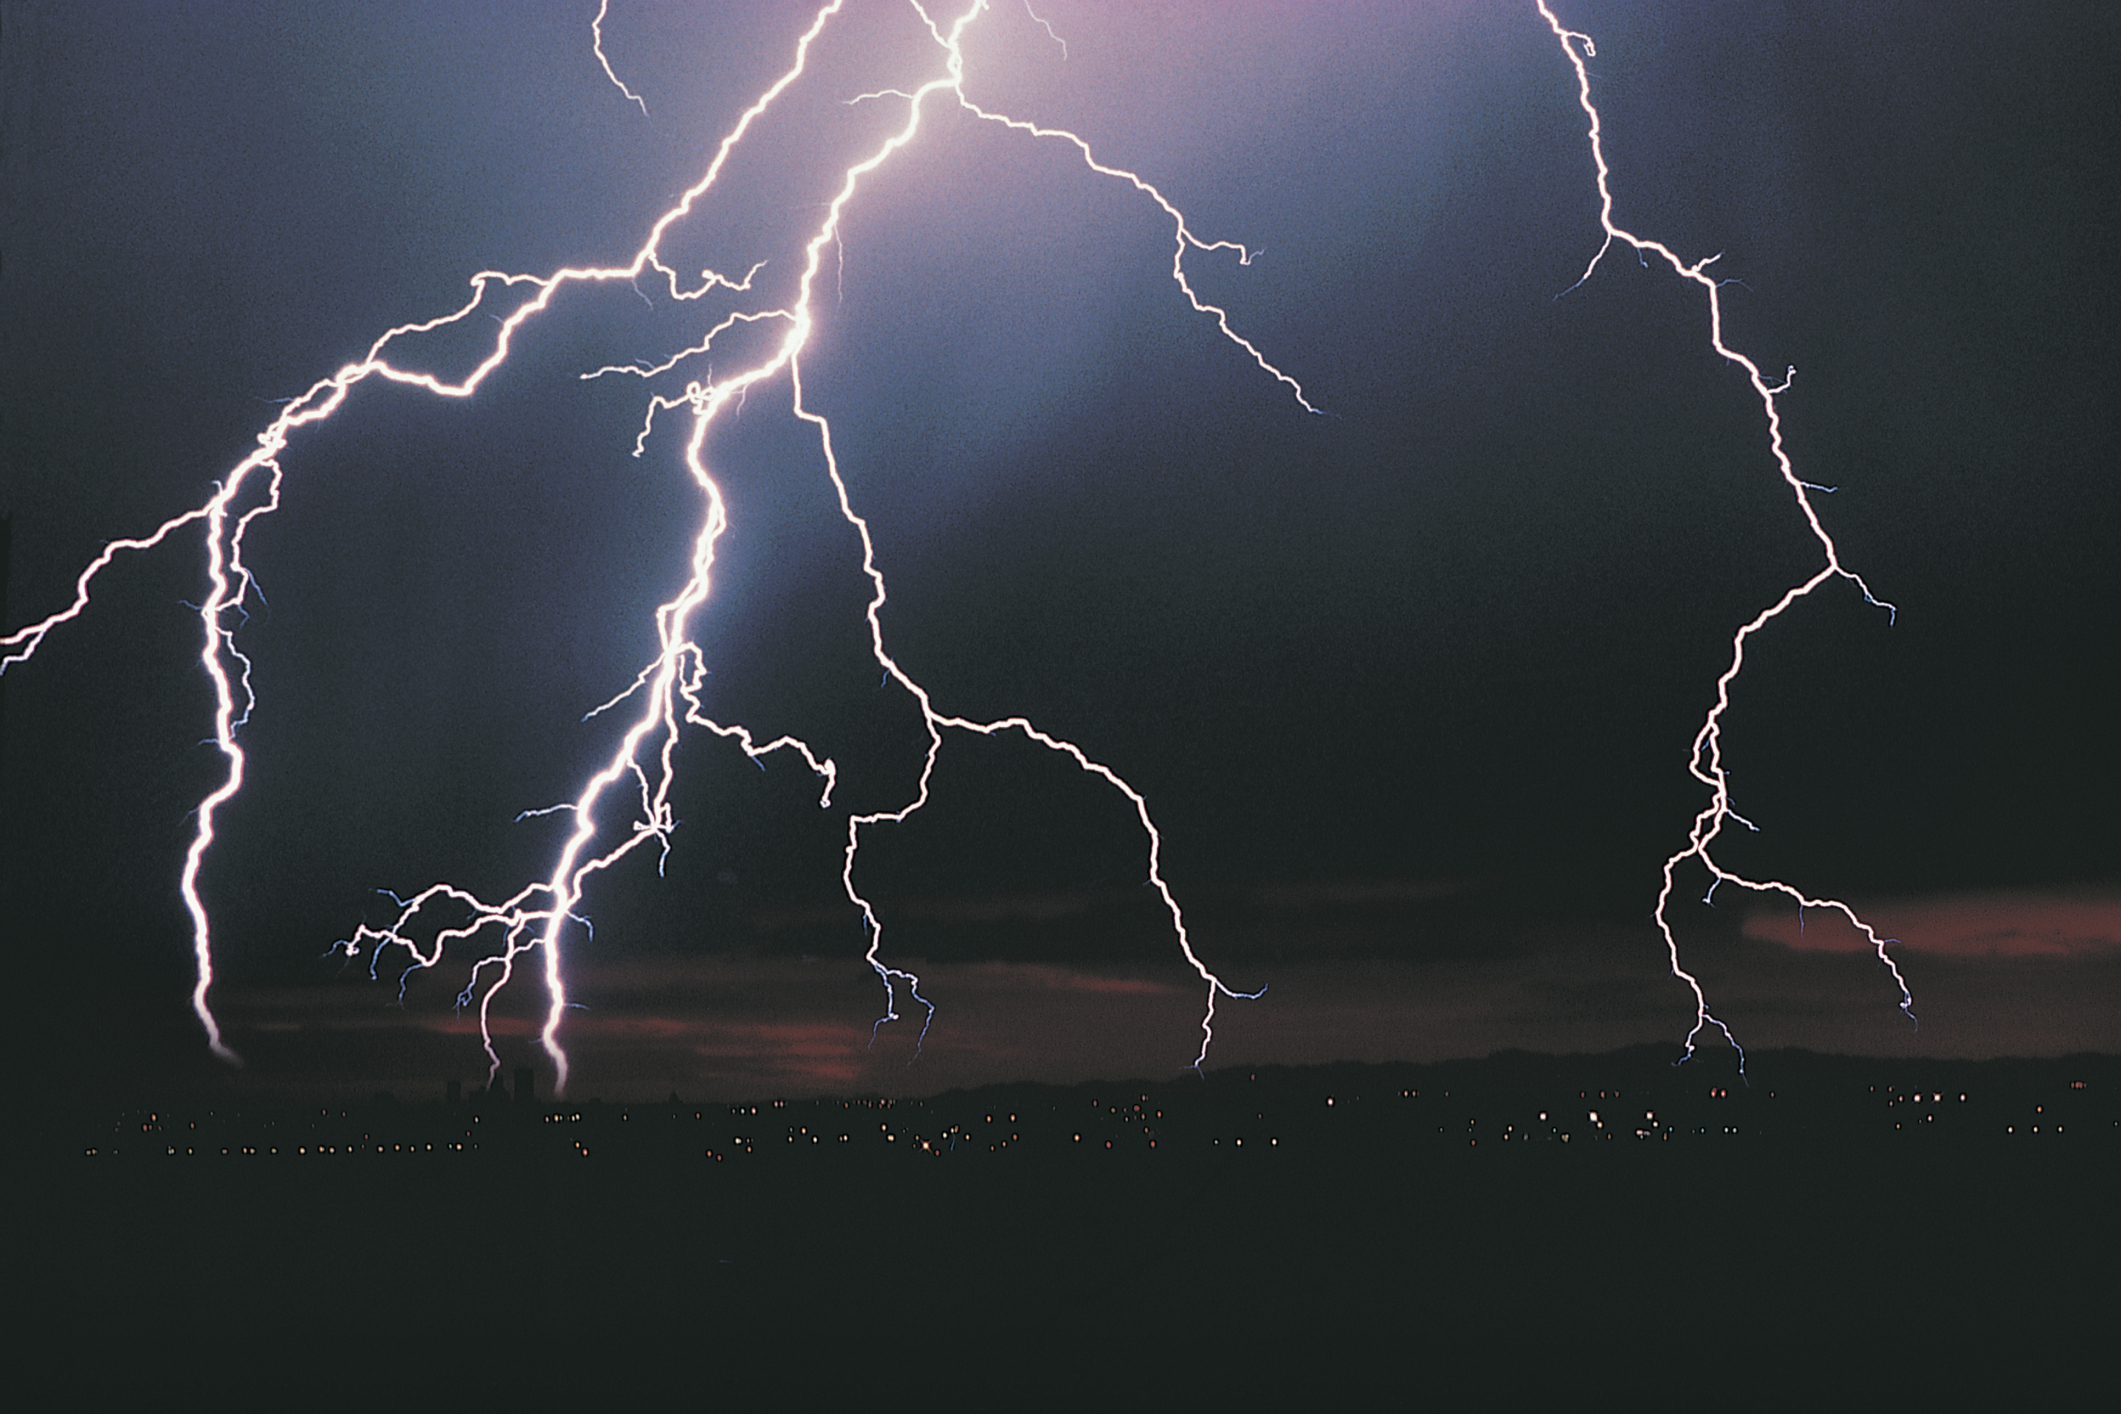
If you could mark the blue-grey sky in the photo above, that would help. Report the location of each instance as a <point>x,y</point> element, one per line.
<point>1408,685</point>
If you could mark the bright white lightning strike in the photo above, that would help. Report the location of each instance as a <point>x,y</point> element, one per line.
<point>536,915</point>
<point>596,42</point>
<point>1705,761</point>
<point>669,690</point>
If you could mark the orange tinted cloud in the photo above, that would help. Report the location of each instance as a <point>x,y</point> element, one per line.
<point>1998,924</point>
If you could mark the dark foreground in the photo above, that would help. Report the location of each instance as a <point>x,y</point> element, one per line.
<point>1838,1231</point>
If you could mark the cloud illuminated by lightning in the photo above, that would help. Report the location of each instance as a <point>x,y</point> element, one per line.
<point>1705,761</point>
<point>668,691</point>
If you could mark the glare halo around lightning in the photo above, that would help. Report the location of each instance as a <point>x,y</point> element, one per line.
<point>538,913</point>
<point>1705,759</point>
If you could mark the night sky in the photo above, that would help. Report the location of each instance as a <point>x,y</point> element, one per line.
<point>1408,685</point>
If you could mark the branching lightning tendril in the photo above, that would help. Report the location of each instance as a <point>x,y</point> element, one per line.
<point>596,41</point>
<point>1705,760</point>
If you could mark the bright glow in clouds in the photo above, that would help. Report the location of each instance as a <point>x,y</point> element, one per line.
<point>670,691</point>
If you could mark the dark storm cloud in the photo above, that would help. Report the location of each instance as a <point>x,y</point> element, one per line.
<point>728,1028</point>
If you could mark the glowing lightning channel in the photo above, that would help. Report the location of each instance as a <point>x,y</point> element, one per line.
<point>1705,760</point>
<point>596,41</point>
<point>934,722</point>
<point>537,915</point>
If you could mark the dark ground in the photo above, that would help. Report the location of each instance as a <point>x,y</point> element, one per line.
<point>1765,1245</point>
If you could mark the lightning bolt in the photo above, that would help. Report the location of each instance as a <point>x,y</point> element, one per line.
<point>668,694</point>
<point>669,691</point>
<point>1705,759</point>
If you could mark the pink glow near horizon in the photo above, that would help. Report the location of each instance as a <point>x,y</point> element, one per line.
<point>2001,923</point>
